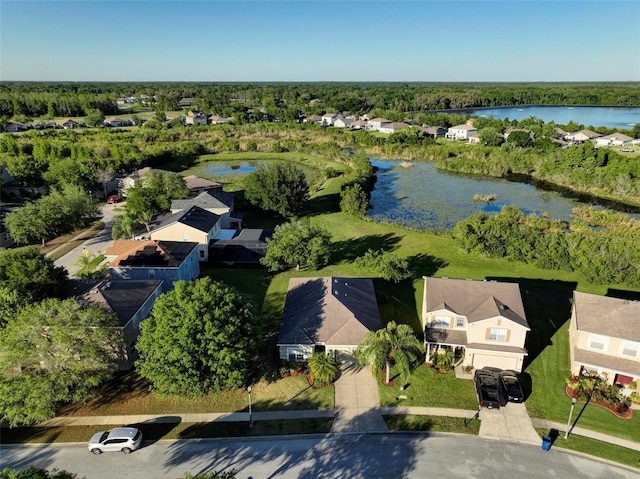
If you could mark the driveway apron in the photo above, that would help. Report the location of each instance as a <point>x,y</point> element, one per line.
<point>510,423</point>
<point>357,402</point>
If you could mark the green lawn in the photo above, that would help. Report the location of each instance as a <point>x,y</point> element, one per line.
<point>429,388</point>
<point>128,393</point>
<point>411,422</point>
<point>601,449</point>
<point>176,430</point>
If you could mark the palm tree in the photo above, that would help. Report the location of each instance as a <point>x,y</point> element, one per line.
<point>324,368</point>
<point>444,360</point>
<point>123,226</point>
<point>90,266</point>
<point>395,343</point>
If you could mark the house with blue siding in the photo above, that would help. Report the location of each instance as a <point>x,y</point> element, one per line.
<point>168,261</point>
<point>131,301</point>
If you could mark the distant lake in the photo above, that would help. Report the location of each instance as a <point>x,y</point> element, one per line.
<point>425,198</point>
<point>233,168</point>
<point>608,116</point>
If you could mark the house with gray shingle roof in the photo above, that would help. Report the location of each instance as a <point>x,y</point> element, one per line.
<point>169,261</point>
<point>327,314</point>
<point>197,185</point>
<point>614,139</point>
<point>604,338</point>
<point>217,202</point>
<point>131,301</point>
<point>195,224</point>
<point>482,322</point>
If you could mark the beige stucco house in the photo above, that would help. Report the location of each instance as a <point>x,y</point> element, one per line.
<point>194,225</point>
<point>327,314</point>
<point>604,336</point>
<point>582,136</point>
<point>614,139</point>
<point>482,322</point>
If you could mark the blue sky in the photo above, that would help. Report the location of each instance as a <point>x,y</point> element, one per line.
<point>319,41</point>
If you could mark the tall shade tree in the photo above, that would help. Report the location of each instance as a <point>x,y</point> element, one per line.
<point>52,352</point>
<point>30,274</point>
<point>282,188</point>
<point>396,344</point>
<point>297,244</point>
<point>200,338</point>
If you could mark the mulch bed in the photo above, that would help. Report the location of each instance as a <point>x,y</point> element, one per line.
<point>628,414</point>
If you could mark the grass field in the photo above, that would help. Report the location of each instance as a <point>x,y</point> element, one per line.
<point>596,448</point>
<point>410,422</point>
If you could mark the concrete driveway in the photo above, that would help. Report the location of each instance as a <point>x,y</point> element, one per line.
<point>357,401</point>
<point>511,423</point>
<point>96,245</point>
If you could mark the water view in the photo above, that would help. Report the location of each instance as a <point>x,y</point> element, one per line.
<point>233,168</point>
<point>425,198</point>
<point>609,116</point>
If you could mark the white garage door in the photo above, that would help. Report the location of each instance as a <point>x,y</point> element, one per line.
<point>501,362</point>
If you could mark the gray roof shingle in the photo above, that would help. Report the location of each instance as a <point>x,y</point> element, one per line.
<point>330,310</point>
<point>195,217</point>
<point>613,317</point>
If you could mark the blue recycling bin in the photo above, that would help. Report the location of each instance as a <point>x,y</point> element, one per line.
<point>546,443</point>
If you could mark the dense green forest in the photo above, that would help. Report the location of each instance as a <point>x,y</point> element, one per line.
<point>285,101</point>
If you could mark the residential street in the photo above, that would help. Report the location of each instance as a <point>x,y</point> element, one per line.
<point>333,456</point>
<point>95,245</point>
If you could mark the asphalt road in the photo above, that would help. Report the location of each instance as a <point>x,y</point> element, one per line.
<point>96,245</point>
<point>327,457</point>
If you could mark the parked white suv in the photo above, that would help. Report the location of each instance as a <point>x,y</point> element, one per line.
<point>119,439</point>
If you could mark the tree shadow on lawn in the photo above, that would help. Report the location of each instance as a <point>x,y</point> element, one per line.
<point>425,265</point>
<point>321,204</point>
<point>124,386</point>
<point>348,250</point>
<point>547,304</point>
<point>623,294</point>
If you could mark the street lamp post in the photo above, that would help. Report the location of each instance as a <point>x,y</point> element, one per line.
<point>573,403</point>
<point>250,419</point>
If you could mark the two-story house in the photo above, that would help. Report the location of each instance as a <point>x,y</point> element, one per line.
<point>195,224</point>
<point>482,322</point>
<point>169,261</point>
<point>217,202</point>
<point>461,132</point>
<point>130,301</point>
<point>604,337</point>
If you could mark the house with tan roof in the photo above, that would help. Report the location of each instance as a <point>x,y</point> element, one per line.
<point>219,120</point>
<point>359,124</point>
<point>392,127</point>
<point>482,322</point>
<point>169,261</point>
<point>433,131</point>
<point>327,314</point>
<point>68,124</point>
<point>131,301</point>
<point>604,338</point>
<point>328,119</point>
<point>614,139</point>
<point>461,132</point>
<point>197,185</point>
<point>137,177</point>
<point>343,122</point>
<point>582,136</point>
<point>312,119</point>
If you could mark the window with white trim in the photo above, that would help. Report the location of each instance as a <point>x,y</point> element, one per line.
<point>295,354</point>
<point>442,322</point>
<point>498,334</point>
<point>597,342</point>
<point>630,348</point>
<point>459,322</point>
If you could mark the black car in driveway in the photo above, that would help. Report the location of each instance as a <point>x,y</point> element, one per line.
<point>487,388</point>
<point>511,386</point>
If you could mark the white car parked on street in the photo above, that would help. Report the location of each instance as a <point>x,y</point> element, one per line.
<point>119,439</point>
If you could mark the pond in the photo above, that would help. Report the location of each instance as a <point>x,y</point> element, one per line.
<point>233,168</point>
<point>425,198</point>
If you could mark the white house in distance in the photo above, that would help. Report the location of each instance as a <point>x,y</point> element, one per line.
<point>376,124</point>
<point>343,122</point>
<point>461,132</point>
<point>482,322</point>
<point>392,127</point>
<point>604,338</point>
<point>614,139</point>
<point>328,119</point>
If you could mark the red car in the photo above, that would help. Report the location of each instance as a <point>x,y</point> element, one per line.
<point>115,199</point>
